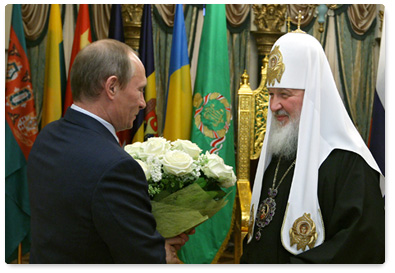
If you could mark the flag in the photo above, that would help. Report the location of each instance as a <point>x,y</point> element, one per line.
<point>55,78</point>
<point>68,35</point>
<point>377,128</point>
<point>137,131</point>
<point>146,49</point>
<point>179,92</point>
<point>20,133</point>
<point>212,130</point>
<point>115,31</point>
<point>82,38</point>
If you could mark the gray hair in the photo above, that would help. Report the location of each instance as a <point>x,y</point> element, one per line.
<point>98,61</point>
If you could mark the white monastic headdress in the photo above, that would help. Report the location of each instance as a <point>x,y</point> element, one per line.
<point>298,61</point>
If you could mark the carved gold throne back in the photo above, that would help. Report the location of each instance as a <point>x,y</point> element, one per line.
<point>252,113</point>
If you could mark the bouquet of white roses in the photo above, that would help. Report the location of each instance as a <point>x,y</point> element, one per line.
<point>184,184</point>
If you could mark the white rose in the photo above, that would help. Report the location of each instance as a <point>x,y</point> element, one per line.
<point>144,166</point>
<point>156,146</point>
<point>134,149</point>
<point>229,181</point>
<point>187,146</point>
<point>177,162</point>
<point>217,169</point>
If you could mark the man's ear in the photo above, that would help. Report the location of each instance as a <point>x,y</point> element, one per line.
<point>111,86</point>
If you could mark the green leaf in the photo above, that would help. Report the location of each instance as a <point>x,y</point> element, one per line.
<point>201,182</point>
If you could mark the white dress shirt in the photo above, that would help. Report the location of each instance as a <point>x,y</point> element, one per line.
<point>99,119</point>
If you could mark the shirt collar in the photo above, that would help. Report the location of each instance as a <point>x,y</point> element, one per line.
<point>99,119</point>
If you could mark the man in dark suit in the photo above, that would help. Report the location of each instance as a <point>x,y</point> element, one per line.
<point>89,198</point>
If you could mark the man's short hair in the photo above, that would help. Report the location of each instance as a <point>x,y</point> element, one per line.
<point>95,63</point>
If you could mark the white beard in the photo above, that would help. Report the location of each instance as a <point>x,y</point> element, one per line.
<point>283,139</point>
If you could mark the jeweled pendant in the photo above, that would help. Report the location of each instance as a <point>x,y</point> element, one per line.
<point>258,235</point>
<point>266,211</point>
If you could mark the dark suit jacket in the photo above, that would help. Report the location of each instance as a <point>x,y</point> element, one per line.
<point>89,198</point>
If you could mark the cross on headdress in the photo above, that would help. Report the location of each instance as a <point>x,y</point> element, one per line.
<point>299,17</point>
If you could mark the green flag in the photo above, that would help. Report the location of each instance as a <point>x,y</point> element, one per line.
<point>212,130</point>
<point>20,133</point>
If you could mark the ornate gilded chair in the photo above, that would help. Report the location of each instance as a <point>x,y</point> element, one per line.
<point>252,112</point>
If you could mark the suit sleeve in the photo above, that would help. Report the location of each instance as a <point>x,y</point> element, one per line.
<point>353,213</point>
<point>121,212</point>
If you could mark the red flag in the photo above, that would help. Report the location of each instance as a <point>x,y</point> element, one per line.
<point>19,99</point>
<point>82,37</point>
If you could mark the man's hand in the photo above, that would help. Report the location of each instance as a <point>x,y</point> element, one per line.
<point>172,245</point>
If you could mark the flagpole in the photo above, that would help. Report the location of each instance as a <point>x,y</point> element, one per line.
<point>20,253</point>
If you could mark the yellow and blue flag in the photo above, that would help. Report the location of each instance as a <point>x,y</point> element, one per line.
<point>55,76</point>
<point>179,92</point>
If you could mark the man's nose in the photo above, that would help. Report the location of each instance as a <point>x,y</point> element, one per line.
<point>275,104</point>
<point>143,104</point>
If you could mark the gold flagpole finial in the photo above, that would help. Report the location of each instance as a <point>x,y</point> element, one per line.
<point>299,17</point>
<point>289,23</point>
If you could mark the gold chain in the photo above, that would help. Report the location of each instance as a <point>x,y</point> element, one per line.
<point>282,178</point>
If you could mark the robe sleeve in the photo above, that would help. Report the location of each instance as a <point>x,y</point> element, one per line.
<point>353,212</point>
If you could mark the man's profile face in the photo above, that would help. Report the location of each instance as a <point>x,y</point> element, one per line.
<point>130,100</point>
<point>286,103</point>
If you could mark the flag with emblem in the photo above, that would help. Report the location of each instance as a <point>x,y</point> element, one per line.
<point>82,38</point>
<point>115,31</point>
<point>179,91</point>
<point>20,133</point>
<point>146,49</point>
<point>212,130</point>
<point>55,77</point>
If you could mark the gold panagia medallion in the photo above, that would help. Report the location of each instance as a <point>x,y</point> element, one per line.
<point>303,232</point>
<point>276,67</point>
